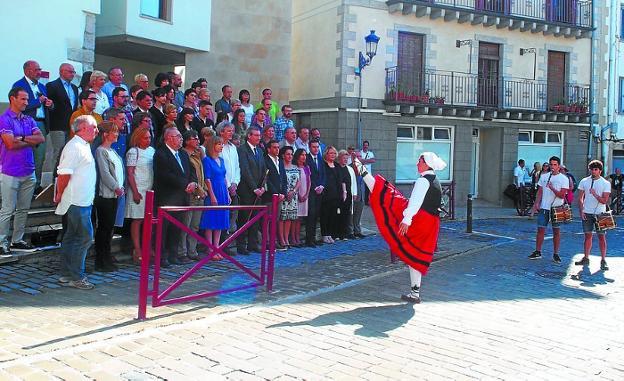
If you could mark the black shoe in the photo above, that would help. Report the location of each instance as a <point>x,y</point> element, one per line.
<point>413,296</point>
<point>106,268</point>
<point>22,246</point>
<point>193,257</point>
<point>179,260</point>
<point>310,244</point>
<point>165,264</point>
<point>536,255</point>
<point>582,262</point>
<point>556,258</point>
<point>280,247</point>
<point>603,265</point>
<point>4,251</point>
<point>359,235</point>
<point>255,249</point>
<point>242,251</point>
<point>350,236</point>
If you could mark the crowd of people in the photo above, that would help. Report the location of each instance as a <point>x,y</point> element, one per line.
<point>111,142</point>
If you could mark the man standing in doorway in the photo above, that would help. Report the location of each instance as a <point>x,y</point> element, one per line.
<point>553,187</point>
<point>520,174</point>
<point>367,157</point>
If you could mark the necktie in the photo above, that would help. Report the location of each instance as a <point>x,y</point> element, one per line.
<point>70,94</point>
<point>177,156</point>
<point>315,163</point>
<point>255,153</point>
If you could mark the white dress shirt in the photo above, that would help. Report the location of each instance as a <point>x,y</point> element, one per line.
<point>232,168</point>
<point>78,162</point>
<point>421,186</point>
<point>35,90</point>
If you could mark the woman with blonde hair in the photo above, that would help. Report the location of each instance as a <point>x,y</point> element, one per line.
<point>140,175</point>
<point>213,221</point>
<point>334,194</point>
<point>96,82</point>
<point>171,113</point>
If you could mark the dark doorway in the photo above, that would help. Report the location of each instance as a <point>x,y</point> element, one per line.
<point>488,81</point>
<point>557,92</point>
<point>410,64</point>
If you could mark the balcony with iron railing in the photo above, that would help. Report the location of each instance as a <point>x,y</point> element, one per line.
<point>569,18</point>
<point>440,92</point>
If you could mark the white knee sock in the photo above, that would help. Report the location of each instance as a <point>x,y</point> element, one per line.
<point>369,180</point>
<point>415,277</point>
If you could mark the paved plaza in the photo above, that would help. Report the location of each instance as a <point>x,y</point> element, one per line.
<point>487,313</point>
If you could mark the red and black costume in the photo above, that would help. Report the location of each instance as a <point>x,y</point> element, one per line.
<point>417,246</point>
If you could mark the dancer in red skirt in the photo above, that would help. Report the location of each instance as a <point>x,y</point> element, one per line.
<point>410,227</point>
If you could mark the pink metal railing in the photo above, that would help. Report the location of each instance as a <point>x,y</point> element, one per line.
<point>268,215</point>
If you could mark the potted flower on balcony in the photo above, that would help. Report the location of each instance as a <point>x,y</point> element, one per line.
<point>582,105</point>
<point>558,107</point>
<point>425,97</point>
<point>438,100</point>
<point>392,93</point>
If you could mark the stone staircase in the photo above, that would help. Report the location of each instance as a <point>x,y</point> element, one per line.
<point>43,221</point>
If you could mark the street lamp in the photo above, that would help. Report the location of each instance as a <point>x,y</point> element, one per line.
<point>372,40</point>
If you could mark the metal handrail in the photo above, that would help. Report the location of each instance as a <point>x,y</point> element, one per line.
<point>564,12</point>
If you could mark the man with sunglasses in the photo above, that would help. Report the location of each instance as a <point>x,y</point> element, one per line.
<point>553,187</point>
<point>594,192</point>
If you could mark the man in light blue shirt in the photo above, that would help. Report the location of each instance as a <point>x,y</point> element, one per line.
<point>115,79</point>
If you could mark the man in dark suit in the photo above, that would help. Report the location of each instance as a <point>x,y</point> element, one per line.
<point>64,94</point>
<point>38,108</point>
<point>174,181</point>
<point>276,178</point>
<point>250,189</point>
<point>317,183</point>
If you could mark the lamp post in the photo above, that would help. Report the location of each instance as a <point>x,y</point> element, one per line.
<point>372,41</point>
<point>533,51</point>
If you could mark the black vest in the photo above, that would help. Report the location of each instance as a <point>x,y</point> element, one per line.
<point>433,198</point>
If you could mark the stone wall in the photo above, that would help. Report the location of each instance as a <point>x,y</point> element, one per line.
<point>250,48</point>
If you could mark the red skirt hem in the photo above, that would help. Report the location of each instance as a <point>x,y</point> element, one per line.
<point>416,247</point>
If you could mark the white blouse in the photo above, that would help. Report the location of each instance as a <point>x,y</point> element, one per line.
<point>421,186</point>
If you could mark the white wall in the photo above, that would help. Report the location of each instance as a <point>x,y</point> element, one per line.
<point>47,44</point>
<point>189,26</point>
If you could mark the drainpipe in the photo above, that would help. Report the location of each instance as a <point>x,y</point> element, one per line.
<point>611,85</point>
<point>592,87</point>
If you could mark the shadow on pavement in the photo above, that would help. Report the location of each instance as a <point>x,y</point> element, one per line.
<point>373,321</point>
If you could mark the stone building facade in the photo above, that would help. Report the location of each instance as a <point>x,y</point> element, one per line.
<point>481,83</point>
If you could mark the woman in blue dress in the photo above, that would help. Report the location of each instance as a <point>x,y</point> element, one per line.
<point>213,221</point>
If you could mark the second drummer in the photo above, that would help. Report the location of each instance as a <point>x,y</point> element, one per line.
<point>594,192</point>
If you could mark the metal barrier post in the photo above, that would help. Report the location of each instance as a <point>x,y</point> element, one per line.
<point>272,235</point>
<point>469,214</point>
<point>146,254</point>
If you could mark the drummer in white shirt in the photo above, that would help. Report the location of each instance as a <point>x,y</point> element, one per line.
<point>553,187</point>
<point>594,192</point>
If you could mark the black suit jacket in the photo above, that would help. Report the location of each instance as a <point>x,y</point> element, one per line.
<point>276,181</point>
<point>317,176</point>
<point>158,121</point>
<point>59,116</point>
<point>252,172</point>
<point>170,181</point>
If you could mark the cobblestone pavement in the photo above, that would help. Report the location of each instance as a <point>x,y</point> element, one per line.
<point>488,313</point>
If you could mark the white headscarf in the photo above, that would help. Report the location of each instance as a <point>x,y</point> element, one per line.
<point>433,161</point>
